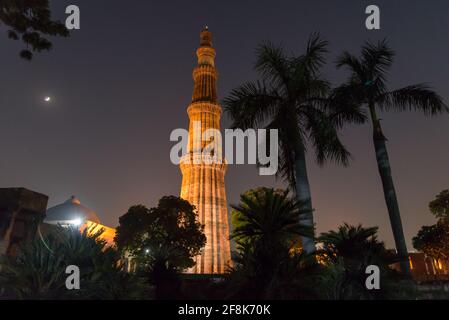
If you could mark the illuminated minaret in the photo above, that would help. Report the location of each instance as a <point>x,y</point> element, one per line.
<point>203,183</point>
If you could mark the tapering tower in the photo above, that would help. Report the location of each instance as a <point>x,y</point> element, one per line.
<point>203,183</point>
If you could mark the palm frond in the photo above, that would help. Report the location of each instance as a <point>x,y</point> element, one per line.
<point>306,80</point>
<point>251,104</point>
<point>267,215</point>
<point>417,97</point>
<point>315,56</point>
<point>353,64</point>
<point>313,89</point>
<point>377,58</point>
<point>324,137</point>
<point>273,65</point>
<point>344,105</point>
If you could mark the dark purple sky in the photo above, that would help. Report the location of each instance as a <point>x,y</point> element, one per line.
<point>123,82</point>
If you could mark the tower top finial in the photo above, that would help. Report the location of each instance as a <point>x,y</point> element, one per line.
<point>206,37</point>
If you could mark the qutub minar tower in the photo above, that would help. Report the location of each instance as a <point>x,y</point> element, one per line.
<point>203,183</point>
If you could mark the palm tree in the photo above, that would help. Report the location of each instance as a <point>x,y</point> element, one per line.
<point>289,98</point>
<point>268,217</point>
<point>355,245</point>
<point>346,254</point>
<point>267,229</point>
<point>366,88</point>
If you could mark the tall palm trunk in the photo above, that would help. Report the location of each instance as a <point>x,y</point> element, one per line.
<point>304,197</point>
<point>383,164</point>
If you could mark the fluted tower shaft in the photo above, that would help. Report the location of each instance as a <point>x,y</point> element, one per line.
<point>203,183</point>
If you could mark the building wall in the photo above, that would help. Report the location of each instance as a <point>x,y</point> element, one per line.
<point>21,211</point>
<point>107,235</point>
<point>424,267</point>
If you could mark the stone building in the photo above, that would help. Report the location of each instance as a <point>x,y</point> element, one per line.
<point>21,212</point>
<point>424,267</point>
<point>73,213</point>
<point>24,217</point>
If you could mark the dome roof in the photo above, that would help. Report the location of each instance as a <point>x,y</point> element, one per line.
<point>71,210</point>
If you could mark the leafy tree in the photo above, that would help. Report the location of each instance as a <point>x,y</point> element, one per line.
<point>367,89</point>
<point>164,240</point>
<point>38,272</point>
<point>440,206</point>
<point>30,21</point>
<point>132,229</point>
<point>171,227</point>
<point>433,241</point>
<point>291,98</point>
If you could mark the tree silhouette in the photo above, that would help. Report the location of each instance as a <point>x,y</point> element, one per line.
<point>434,240</point>
<point>366,88</point>
<point>440,206</point>
<point>30,21</point>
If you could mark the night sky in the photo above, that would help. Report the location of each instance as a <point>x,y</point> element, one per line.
<point>123,82</point>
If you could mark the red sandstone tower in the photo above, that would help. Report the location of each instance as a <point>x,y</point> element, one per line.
<point>203,183</point>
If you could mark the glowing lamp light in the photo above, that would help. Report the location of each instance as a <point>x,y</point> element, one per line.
<point>76,222</point>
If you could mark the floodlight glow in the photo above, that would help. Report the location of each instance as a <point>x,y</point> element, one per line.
<point>76,222</point>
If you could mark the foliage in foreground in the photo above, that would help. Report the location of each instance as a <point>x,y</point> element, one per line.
<point>346,253</point>
<point>267,231</point>
<point>267,267</point>
<point>38,271</point>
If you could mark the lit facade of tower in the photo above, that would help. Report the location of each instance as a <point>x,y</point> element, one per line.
<point>203,182</point>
